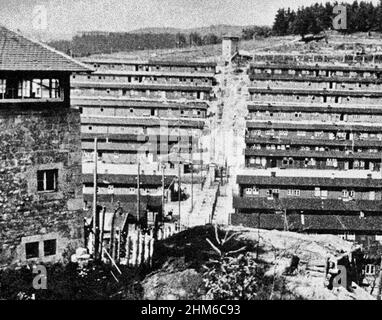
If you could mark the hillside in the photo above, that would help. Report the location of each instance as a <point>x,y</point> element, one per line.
<point>186,266</point>
<point>219,30</point>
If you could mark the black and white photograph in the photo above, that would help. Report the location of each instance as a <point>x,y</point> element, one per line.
<point>190,150</point>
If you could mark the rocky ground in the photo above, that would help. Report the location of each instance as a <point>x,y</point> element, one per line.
<point>181,264</point>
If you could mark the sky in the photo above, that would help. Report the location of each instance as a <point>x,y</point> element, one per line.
<point>71,16</point>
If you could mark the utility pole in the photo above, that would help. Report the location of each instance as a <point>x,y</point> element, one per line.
<point>179,186</point>
<point>102,223</point>
<point>139,192</point>
<point>95,229</point>
<point>192,178</point>
<point>163,191</point>
<point>179,180</point>
<point>201,163</point>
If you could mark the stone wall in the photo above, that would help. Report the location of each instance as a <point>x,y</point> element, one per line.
<point>32,140</point>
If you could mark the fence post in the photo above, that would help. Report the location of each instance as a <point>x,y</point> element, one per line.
<point>151,244</point>
<point>147,250</point>
<point>127,246</point>
<point>134,250</point>
<point>139,249</point>
<point>119,245</point>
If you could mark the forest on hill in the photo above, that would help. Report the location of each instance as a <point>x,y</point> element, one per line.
<point>361,17</point>
<point>89,43</point>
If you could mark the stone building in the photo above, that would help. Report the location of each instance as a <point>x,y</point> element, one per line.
<point>313,147</point>
<point>41,203</point>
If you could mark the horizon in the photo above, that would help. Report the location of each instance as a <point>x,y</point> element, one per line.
<point>66,18</point>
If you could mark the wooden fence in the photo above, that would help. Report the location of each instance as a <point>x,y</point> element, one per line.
<point>137,248</point>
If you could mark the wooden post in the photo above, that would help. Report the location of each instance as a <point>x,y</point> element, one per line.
<point>179,185</point>
<point>192,178</point>
<point>380,282</point>
<point>129,250</point>
<point>119,245</point>
<point>147,250</point>
<point>139,249</point>
<point>163,191</point>
<point>139,193</point>
<point>95,229</point>
<point>133,240</point>
<point>151,244</point>
<point>103,213</point>
<point>113,235</point>
<point>201,163</point>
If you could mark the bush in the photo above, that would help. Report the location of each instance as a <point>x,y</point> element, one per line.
<point>234,278</point>
<point>69,282</point>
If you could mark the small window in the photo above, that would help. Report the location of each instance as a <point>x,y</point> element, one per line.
<point>47,180</point>
<point>50,247</point>
<point>369,269</point>
<point>297,193</point>
<point>31,250</point>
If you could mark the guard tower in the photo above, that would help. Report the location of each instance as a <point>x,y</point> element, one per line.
<point>230,46</point>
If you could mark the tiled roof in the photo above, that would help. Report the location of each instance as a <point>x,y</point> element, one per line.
<point>315,67</point>
<point>313,108</point>
<point>307,204</point>
<point>308,181</point>
<point>312,153</point>
<point>152,122</point>
<point>132,86</point>
<point>273,77</point>
<point>150,62</point>
<point>317,92</point>
<point>312,142</point>
<point>153,201</point>
<point>18,53</point>
<point>80,101</point>
<point>312,126</point>
<point>121,179</point>
<point>132,137</point>
<point>170,74</point>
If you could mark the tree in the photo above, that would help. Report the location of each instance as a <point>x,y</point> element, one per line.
<point>280,26</point>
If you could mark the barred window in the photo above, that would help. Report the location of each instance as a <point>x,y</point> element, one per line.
<point>47,180</point>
